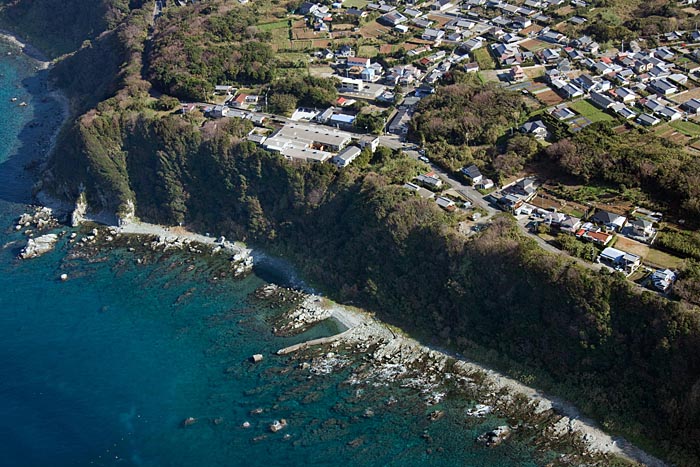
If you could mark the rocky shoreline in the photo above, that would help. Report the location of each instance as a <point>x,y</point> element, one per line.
<point>388,357</point>
<point>90,239</point>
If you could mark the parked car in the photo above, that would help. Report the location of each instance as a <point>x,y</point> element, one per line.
<point>424,159</point>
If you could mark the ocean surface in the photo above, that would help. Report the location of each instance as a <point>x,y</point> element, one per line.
<point>102,369</point>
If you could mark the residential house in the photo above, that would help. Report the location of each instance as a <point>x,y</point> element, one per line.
<point>399,124</point>
<point>484,184</point>
<point>473,174</point>
<point>356,13</point>
<point>550,55</point>
<point>663,280</point>
<point>602,100</point>
<point>412,12</point>
<point>678,78</point>
<point>219,111</point>
<point>569,224</point>
<point>554,37</point>
<point>358,61</point>
<point>434,35</point>
<point>643,229</point>
<point>662,87</point>
<point>620,260</point>
<point>625,95</point>
<point>393,18</point>
<point>609,220</point>
<point>653,104</point>
<point>692,106</point>
<point>369,141</point>
<point>648,120</point>
<point>307,8</point>
<point>664,53</point>
<point>563,113</point>
<point>516,74</point>
<point>571,91</point>
<point>346,156</point>
<point>345,51</point>
<point>471,67</point>
<point>600,238</point>
<point>511,203</point>
<point>441,5</point>
<point>536,128</point>
<point>422,22</point>
<point>623,111</point>
<point>224,90</point>
<point>429,180</point>
<point>669,113</point>
<point>419,190</point>
<point>446,203</point>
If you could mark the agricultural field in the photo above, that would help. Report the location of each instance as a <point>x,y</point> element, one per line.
<point>368,51</point>
<point>650,255</point>
<point>359,4</point>
<point>534,45</point>
<point>535,72</point>
<point>688,128</point>
<point>373,30</point>
<point>686,95</point>
<point>670,133</point>
<point>549,98</point>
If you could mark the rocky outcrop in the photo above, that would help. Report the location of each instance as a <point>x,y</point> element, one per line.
<point>126,214</point>
<point>41,219</point>
<point>309,312</point>
<point>78,215</point>
<point>495,436</point>
<point>39,246</point>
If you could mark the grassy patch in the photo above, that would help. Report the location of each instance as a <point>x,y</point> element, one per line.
<point>484,59</point>
<point>687,128</point>
<point>283,24</point>
<point>590,111</point>
<point>367,51</point>
<point>359,4</point>
<point>662,260</point>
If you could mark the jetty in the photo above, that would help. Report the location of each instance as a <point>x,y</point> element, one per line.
<point>312,342</point>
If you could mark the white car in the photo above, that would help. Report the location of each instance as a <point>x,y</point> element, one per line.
<point>424,159</point>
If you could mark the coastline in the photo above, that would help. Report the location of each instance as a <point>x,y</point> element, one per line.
<point>51,92</point>
<point>26,48</point>
<point>362,328</point>
<point>359,327</point>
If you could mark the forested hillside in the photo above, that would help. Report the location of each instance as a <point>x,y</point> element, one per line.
<point>58,26</point>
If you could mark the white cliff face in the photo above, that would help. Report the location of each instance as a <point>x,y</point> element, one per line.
<point>39,246</point>
<point>78,215</point>
<point>126,214</point>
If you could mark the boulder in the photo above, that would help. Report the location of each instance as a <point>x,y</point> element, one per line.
<point>39,246</point>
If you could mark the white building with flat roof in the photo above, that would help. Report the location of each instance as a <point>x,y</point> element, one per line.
<point>307,142</point>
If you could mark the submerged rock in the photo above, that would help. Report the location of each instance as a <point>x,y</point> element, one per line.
<point>495,436</point>
<point>480,410</point>
<point>256,358</point>
<point>189,421</point>
<point>39,246</point>
<point>278,425</point>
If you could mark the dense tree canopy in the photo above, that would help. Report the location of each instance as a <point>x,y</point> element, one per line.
<point>196,48</point>
<point>633,159</point>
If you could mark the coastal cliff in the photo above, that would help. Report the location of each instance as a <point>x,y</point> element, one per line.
<point>629,359</point>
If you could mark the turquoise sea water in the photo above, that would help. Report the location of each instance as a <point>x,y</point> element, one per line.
<point>102,369</point>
